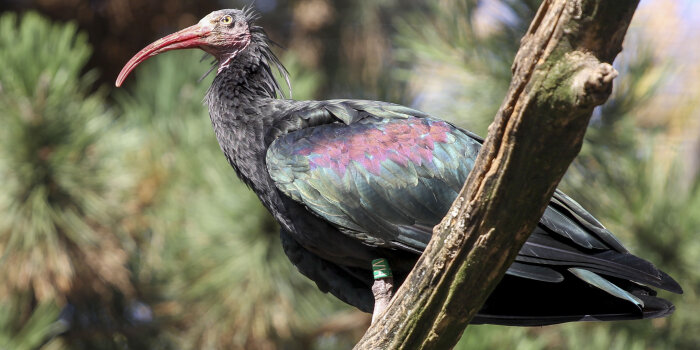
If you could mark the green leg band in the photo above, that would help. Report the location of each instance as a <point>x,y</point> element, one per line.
<point>381,269</point>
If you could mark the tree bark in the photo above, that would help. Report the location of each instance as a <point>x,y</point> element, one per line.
<point>560,73</point>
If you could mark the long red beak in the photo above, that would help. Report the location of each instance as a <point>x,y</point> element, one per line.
<point>190,37</point>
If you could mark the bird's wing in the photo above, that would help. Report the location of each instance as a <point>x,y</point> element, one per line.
<point>385,181</point>
<point>387,177</point>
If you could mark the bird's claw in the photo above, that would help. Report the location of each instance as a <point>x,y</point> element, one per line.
<point>383,287</point>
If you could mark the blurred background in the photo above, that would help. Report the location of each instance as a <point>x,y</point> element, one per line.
<point>123,227</point>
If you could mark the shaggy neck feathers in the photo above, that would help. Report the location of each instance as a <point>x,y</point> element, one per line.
<point>249,76</point>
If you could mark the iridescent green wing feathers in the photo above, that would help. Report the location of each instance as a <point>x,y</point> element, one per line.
<point>383,180</point>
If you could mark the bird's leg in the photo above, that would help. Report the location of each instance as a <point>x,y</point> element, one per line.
<point>383,287</point>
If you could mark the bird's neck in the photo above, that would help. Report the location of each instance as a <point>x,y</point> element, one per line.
<point>243,80</point>
<point>238,103</point>
<point>235,101</point>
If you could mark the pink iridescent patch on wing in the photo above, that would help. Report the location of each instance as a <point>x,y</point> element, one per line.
<point>369,144</point>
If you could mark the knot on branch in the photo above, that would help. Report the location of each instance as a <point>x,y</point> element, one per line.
<point>599,84</point>
<point>593,84</point>
<point>575,8</point>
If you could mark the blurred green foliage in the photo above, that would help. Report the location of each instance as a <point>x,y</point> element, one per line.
<point>59,236</point>
<point>54,133</point>
<point>123,227</point>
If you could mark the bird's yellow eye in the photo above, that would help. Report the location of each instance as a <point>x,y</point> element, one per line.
<point>226,19</point>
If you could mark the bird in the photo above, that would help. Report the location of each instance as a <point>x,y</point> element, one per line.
<point>350,181</point>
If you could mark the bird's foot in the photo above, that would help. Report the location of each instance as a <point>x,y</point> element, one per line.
<point>383,287</point>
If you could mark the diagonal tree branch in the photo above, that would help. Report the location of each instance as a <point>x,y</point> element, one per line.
<point>560,73</point>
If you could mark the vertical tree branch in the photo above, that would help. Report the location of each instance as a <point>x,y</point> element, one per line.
<point>560,73</point>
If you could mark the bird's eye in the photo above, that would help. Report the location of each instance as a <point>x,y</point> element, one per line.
<point>227,19</point>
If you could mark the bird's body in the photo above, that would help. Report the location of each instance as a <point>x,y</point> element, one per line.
<point>350,181</point>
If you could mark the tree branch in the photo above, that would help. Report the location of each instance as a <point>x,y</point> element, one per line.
<point>559,75</point>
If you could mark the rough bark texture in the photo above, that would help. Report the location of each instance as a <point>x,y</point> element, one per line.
<point>561,72</point>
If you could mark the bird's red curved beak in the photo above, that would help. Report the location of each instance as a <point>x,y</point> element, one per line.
<point>190,37</point>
